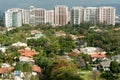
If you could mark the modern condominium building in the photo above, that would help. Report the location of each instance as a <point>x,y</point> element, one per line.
<point>77,15</point>
<point>13,17</point>
<point>107,15</point>
<point>50,16</point>
<point>37,16</point>
<point>25,17</point>
<point>16,19</point>
<point>61,15</point>
<point>91,14</point>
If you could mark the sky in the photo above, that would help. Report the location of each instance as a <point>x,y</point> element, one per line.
<point>49,4</point>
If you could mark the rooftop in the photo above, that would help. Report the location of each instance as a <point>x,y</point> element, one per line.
<point>27,52</point>
<point>6,70</point>
<point>97,55</point>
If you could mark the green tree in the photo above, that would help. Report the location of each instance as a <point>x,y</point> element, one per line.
<point>108,76</point>
<point>25,68</point>
<point>62,69</point>
<point>66,43</point>
<point>114,67</point>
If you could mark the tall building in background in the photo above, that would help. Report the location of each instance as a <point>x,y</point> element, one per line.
<point>91,14</point>
<point>77,15</point>
<point>16,19</point>
<point>8,19</point>
<point>50,17</point>
<point>37,16</point>
<point>107,15</point>
<point>13,17</point>
<point>25,17</point>
<point>61,15</point>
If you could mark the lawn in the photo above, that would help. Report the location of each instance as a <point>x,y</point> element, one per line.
<point>89,75</point>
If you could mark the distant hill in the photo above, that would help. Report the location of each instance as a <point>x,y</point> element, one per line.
<point>117,6</point>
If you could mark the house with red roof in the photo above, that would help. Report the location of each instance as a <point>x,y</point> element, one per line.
<point>27,52</point>
<point>9,70</point>
<point>97,56</point>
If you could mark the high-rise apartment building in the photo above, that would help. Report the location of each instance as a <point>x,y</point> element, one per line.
<point>91,14</point>
<point>37,16</point>
<point>61,15</point>
<point>16,19</point>
<point>50,16</point>
<point>25,16</point>
<point>13,17</point>
<point>107,15</point>
<point>77,15</point>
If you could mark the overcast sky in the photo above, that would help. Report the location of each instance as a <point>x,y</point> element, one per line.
<point>49,4</point>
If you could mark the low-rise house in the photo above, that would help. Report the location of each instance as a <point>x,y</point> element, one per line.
<point>4,65</point>
<point>117,58</point>
<point>98,30</point>
<point>4,72</point>
<point>105,65</point>
<point>97,56</point>
<point>116,29</point>
<point>27,55</point>
<point>26,59</point>
<point>27,52</point>
<point>36,69</point>
<point>3,49</point>
<point>92,50</point>
<point>19,44</point>
<point>35,32</point>
<point>81,37</point>
<point>35,37</point>
<point>60,33</point>
<point>76,51</point>
<point>18,75</point>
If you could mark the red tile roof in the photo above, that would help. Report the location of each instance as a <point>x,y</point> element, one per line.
<point>27,52</point>
<point>36,68</point>
<point>97,55</point>
<point>81,36</point>
<point>6,70</point>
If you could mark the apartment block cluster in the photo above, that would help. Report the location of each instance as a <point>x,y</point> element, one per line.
<point>59,16</point>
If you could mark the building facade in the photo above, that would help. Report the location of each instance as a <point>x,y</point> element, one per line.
<point>25,17</point>
<point>91,14</point>
<point>13,17</point>
<point>107,15</point>
<point>50,17</point>
<point>61,15</point>
<point>37,16</point>
<point>77,15</point>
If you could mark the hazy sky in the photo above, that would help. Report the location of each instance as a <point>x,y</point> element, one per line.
<point>49,4</point>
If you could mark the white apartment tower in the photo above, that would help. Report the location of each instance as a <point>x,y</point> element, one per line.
<point>37,16</point>
<point>61,15</point>
<point>77,15</point>
<point>25,17</point>
<point>16,19</point>
<point>8,19</point>
<point>50,17</point>
<point>107,15</point>
<point>13,17</point>
<point>91,14</point>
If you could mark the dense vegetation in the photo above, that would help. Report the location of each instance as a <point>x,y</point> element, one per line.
<point>51,48</point>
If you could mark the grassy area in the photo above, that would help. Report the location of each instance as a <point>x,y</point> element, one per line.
<point>89,75</point>
<point>86,75</point>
